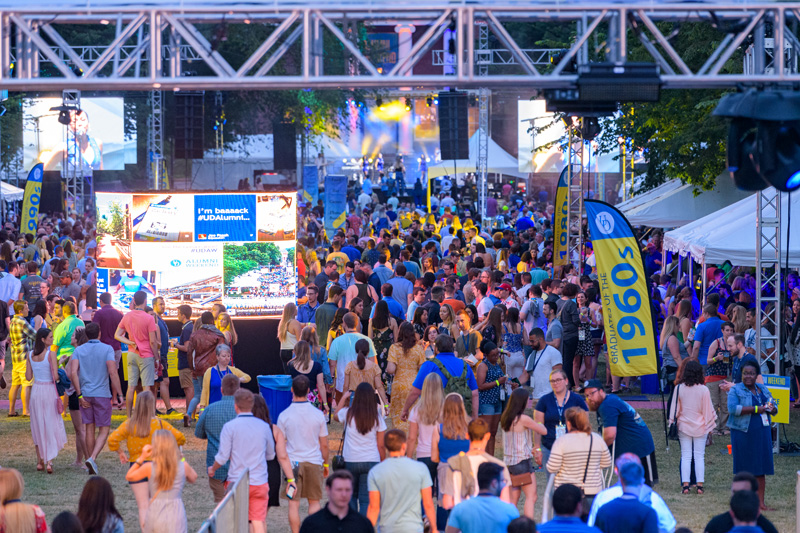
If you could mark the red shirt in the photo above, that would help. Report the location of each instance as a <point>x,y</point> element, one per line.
<point>138,325</point>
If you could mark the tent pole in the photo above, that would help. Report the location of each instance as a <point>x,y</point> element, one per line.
<point>680,268</point>
<point>664,269</point>
<point>704,275</point>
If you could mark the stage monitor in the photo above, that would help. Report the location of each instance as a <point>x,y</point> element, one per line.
<point>97,133</point>
<point>199,249</point>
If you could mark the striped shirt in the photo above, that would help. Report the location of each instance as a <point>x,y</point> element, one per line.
<point>517,445</point>
<point>568,461</point>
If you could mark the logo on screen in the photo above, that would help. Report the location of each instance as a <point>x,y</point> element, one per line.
<point>175,262</point>
<point>605,223</point>
<point>202,236</point>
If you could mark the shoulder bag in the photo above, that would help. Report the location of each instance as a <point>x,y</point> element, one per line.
<point>672,433</point>
<point>337,462</point>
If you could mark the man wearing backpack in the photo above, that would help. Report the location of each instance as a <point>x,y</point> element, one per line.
<point>456,376</point>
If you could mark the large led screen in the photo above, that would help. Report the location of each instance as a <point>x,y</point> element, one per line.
<point>199,249</point>
<point>95,136</point>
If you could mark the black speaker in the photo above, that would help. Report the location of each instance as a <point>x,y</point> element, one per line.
<point>453,125</point>
<point>53,192</point>
<point>189,131</point>
<point>284,143</point>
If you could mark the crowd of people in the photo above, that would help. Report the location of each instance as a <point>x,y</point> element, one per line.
<point>458,362</point>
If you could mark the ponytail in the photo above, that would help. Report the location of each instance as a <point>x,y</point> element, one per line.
<point>362,349</point>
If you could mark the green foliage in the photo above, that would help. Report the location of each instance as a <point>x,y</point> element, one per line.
<point>291,255</point>
<point>113,225</point>
<point>239,259</point>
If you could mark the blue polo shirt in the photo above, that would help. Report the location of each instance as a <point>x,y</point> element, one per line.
<point>706,333</point>
<point>632,433</point>
<point>453,364</point>
<point>626,513</point>
<point>395,309</point>
<point>566,524</point>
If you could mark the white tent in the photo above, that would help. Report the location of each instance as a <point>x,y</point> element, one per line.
<point>11,193</point>
<point>730,234</point>
<point>499,162</point>
<point>674,204</point>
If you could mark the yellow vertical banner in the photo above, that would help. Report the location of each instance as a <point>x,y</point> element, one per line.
<point>31,200</point>
<point>561,223</point>
<point>627,317</point>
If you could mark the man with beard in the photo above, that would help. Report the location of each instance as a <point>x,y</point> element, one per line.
<point>133,283</point>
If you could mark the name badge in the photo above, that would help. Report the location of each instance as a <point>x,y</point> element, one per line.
<point>581,335</point>
<point>764,419</point>
<point>561,430</point>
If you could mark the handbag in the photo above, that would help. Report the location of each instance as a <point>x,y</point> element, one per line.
<point>672,432</point>
<point>59,403</point>
<point>520,473</point>
<point>337,462</point>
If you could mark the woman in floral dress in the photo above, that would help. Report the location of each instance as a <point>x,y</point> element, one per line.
<point>405,358</point>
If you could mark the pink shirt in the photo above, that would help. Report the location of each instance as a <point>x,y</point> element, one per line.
<point>138,325</point>
<point>696,416</point>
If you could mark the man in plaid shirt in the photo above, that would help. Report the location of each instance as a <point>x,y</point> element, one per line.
<point>209,426</point>
<point>20,336</point>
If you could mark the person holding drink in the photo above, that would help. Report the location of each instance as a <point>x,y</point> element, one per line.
<point>750,406</point>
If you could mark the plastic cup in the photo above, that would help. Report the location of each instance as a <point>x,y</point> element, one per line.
<point>730,449</point>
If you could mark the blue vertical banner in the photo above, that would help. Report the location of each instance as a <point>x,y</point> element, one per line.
<point>310,184</point>
<point>561,223</point>
<point>335,203</point>
<point>627,314</point>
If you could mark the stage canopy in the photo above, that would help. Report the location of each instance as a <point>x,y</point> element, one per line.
<point>11,193</point>
<point>730,234</point>
<point>673,204</point>
<point>499,162</point>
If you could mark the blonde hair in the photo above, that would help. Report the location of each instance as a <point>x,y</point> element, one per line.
<point>143,412</point>
<point>451,315</point>
<point>165,459</point>
<point>672,326</point>
<point>289,313</point>
<point>302,355</point>
<point>454,417</point>
<point>15,516</point>
<point>739,319</point>
<point>230,327</point>
<point>429,407</point>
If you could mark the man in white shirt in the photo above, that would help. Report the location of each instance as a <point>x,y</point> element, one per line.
<point>343,350</point>
<point>485,304</point>
<point>542,361</point>
<point>248,442</point>
<point>11,286</point>
<point>364,200</point>
<point>301,441</point>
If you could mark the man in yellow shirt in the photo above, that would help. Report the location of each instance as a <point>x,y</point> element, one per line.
<point>339,257</point>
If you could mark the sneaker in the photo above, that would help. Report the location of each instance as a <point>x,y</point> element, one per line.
<point>160,413</point>
<point>91,465</point>
<point>171,411</point>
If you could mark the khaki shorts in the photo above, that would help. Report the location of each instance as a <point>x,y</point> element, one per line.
<point>185,377</point>
<point>18,375</point>
<point>308,478</point>
<point>143,368</point>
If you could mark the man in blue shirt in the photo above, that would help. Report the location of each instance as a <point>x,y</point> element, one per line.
<point>486,512</point>
<point>305,313</point>
<point>159,307</point>
<point>395,309</point>
<point>623,428</point>
<point>402,289</point>
<point>455,366</point>
<point>706,333</point>
<point>568,508</point>
<point>627,513</point>
<point>209,427</point>
<point>383,272</point>
<point>350,250</point>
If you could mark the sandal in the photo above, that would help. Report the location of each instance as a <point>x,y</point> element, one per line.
<point>685,489</point>
<point>49,468</point>
<point>12,415</point>
<point>700,489</point>
<point>40,466</point>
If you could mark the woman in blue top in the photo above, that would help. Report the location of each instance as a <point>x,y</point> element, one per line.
<point>750,406</point>
<point>491,380</point>
<point>212,379</point>
<point>450,438</point>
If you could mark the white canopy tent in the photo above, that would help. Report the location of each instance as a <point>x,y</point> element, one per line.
<point>499,162</point>
<point>673,204</point>
<point>730,234</point>
<point>11,193</point>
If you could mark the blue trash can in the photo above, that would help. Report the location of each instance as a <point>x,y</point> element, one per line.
<point>277,392</point>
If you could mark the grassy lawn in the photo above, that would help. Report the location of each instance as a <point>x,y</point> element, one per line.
<point>61,491</point>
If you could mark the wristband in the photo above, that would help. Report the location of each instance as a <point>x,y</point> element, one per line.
<point>183,459</point>
<point>323,464</point>
<point>538,449</point>
<point>80,396</point>
<point>497,381</point>
<point>138,463</point>
<point>290,480</point>
<point>756,409</point>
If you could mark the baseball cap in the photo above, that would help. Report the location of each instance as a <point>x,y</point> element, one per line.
<point>505,287</point>
<point>592,384</point>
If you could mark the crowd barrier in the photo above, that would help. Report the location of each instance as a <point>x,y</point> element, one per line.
<point>230,516</point>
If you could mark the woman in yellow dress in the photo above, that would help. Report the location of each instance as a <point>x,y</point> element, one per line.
<point>405,358</point>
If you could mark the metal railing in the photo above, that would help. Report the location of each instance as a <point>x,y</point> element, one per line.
<point>230,516</point>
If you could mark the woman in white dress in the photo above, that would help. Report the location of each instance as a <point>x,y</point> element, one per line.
<point>47,426</point>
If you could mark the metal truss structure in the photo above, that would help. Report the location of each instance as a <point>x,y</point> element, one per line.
<point>72,165</point>
<point>482,159</point>
<point>768,269</point>
<point>155,140</point>
<point>576,149</point>
<point>29,32</point>
<point>499,56</point>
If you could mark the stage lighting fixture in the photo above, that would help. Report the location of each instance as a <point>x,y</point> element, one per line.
<point>63,113</point>
<point>588,128</point>
<point>429,101</point>
<point>379,102</point>
<point>436,99</point>
<point>409,101</point>
<point>763,138</point>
